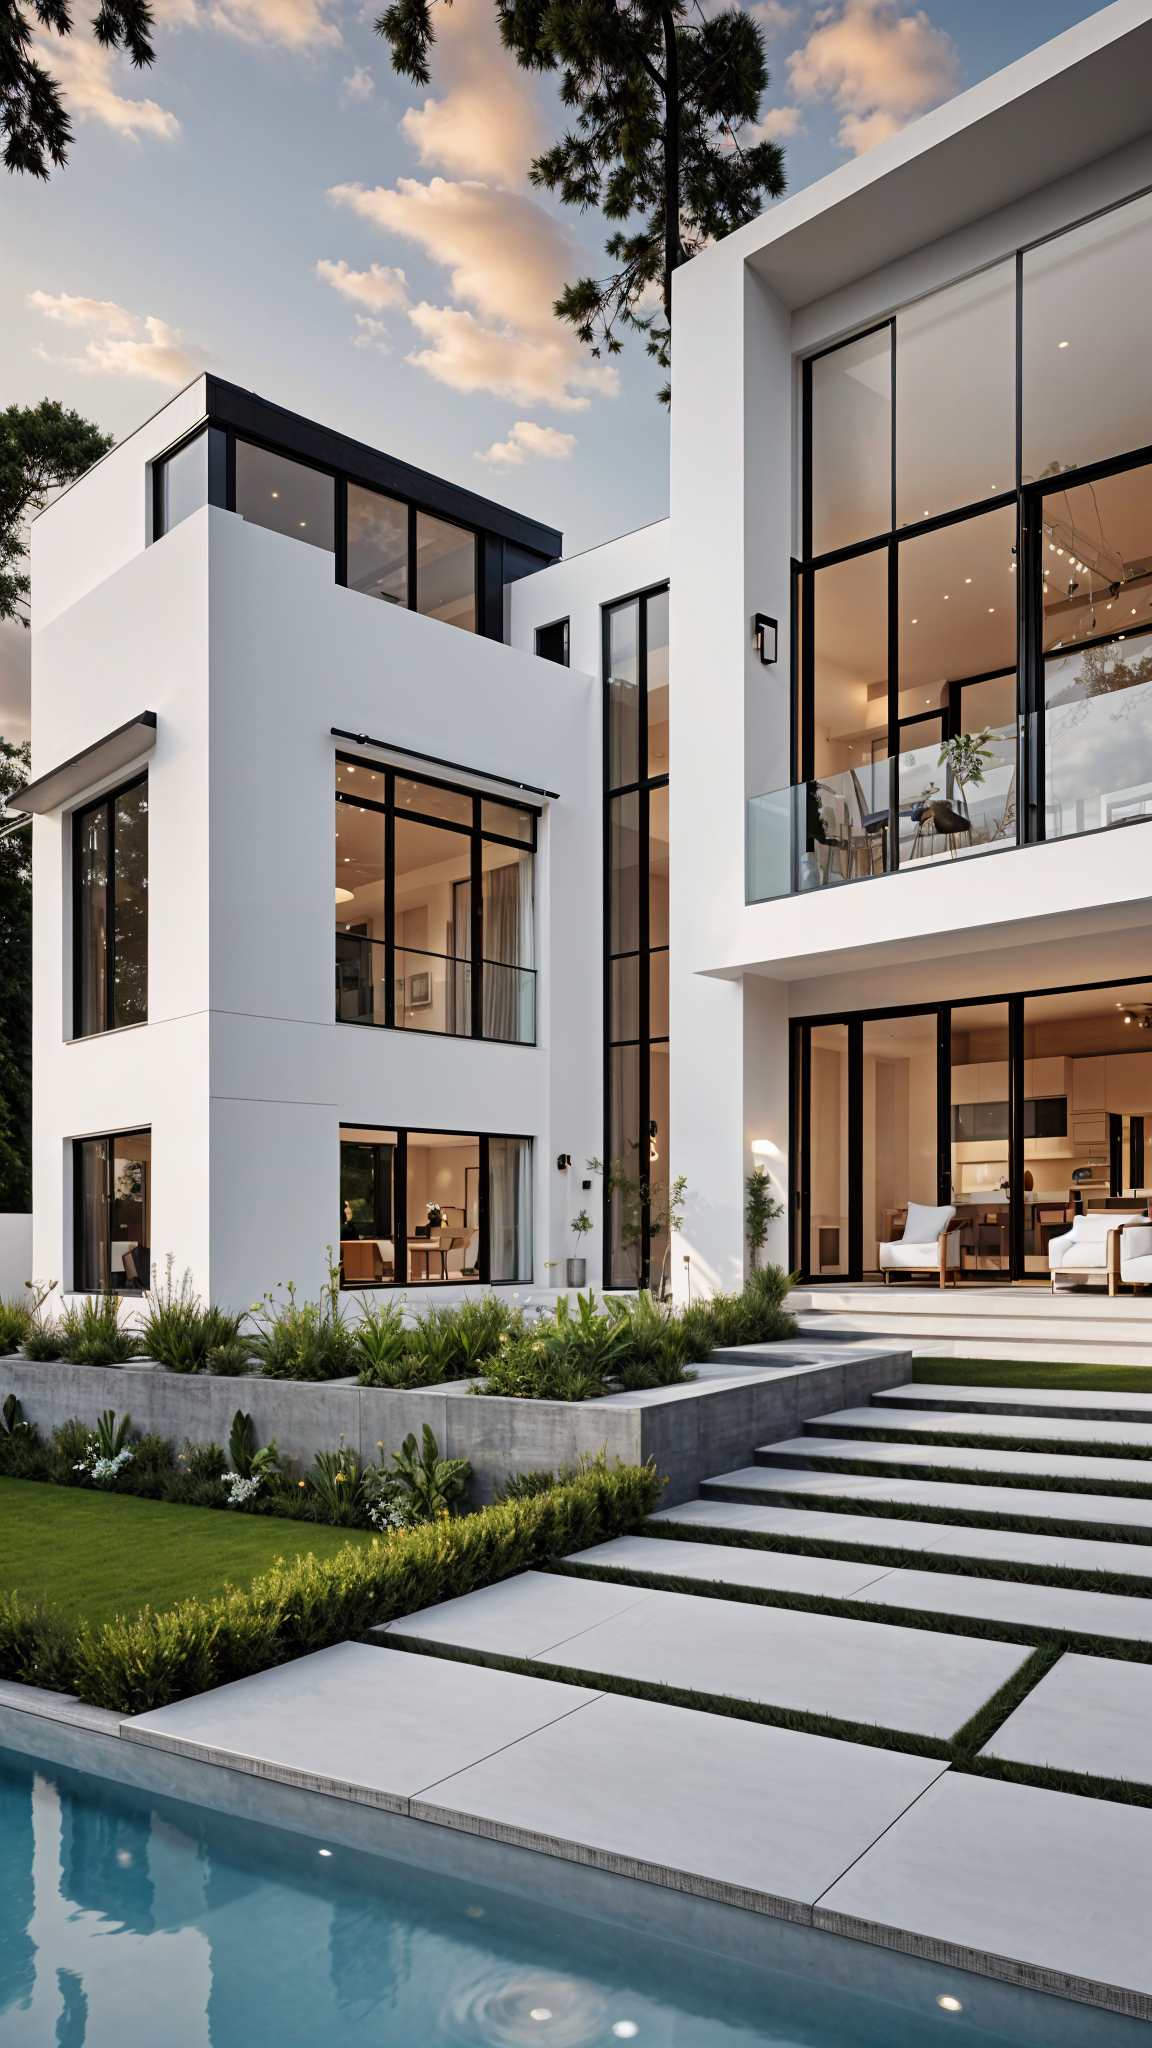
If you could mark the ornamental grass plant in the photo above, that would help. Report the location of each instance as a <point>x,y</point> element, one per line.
<point>178,1330</point>
<point>303,1340</point>
<point>91,1332</point>
<point>582,1356</point>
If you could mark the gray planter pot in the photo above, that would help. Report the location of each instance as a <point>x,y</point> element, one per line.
<point>577,1269</point>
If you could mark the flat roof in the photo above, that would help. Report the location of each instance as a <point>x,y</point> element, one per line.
<point>1080,97</point>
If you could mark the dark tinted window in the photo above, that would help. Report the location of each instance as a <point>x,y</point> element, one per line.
<point>552,642</point>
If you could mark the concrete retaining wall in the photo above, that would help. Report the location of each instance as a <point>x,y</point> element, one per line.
<point>709,1426</point>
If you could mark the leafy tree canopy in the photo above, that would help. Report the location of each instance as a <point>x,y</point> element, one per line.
<point>41,447</point>
<point>661,95</point>
<point>33,117</point>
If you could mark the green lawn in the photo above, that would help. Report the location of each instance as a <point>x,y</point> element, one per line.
<point>102,1554</point>
<point>1010,1372</point>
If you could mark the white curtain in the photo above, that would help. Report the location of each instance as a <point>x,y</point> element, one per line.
<point>526,955</point>
<point>509,945</point>
<point>510,1208</point>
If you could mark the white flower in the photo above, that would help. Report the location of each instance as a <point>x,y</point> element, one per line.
<point>241,1490</point>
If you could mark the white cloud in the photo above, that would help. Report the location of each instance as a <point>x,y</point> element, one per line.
<point>372,334</point>
<point>120,343</point>
<point>378,287</point>
<point>488,125</point>
<point>508,259</point>
<point>293,24</point>
<point>777,123</point>
<point>772,17</point>
<point>88,77</point>
<point>360,86</point>
<point>525,440</point>
<point>880,68</point>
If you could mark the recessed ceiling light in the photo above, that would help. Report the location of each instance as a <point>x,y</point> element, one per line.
<point>953,2004</point>
<point>1061,344</point>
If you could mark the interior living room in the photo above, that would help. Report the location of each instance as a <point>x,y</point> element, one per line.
<point>420,1208</point>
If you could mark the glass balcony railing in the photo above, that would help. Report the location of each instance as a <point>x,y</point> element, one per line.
<point>432,992</point>
<point>1098,737</point>
<point>916,807</point>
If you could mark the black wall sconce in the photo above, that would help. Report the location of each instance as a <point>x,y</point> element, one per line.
<point>764,633</point>
<point>563,1161</point>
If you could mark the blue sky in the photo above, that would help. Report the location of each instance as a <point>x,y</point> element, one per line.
<point>271,202</point>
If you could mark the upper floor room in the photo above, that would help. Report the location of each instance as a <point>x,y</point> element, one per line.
<point>392,532</point>
<point>922,458</point>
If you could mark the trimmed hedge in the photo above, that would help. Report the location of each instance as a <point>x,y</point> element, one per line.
<point>132,1666</point>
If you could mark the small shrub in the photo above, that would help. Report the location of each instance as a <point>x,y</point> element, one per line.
<point>71,1440</point>
<point>43,1344</point>
<point>15,1323</point>
<point>753,1316</point>
<point>303,1340</point>
<point>584,1356</point>
<point>91,1333</point>
<point>153,1453</point>
<point>179,1331</point>
<point>230,1360</point>
<point>37,1647</point>
<point>201,1462</point>
<point>434,1483</point>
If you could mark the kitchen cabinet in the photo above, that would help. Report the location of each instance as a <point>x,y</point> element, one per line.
<point>1089,1084</point>
<point>993,1081</point>
<point>1129,1083</point>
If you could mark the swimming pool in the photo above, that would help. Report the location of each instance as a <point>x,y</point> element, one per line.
<point>130,1921</point>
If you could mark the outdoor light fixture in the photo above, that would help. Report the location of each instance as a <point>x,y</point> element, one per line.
<point>764,634</point>
<point>765,1149</point>
<point>563,1161</point>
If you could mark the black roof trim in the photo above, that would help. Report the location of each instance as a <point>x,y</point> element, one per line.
<point>250,414</point>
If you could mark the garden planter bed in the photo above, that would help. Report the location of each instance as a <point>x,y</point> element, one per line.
<point>712,1424</point>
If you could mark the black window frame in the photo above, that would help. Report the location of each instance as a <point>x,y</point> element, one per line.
<point>1027,497</point>
<point>478,834</point>
<point>507,544</point>
<point>563,627</point>
<point>399,1231</point>
<point>642,786</point>
<point>108,1138</point>
<point>106,802</point>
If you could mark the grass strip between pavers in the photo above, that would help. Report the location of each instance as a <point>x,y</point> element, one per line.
<point>907,1560</point>
<point>959,1752</point>
<point>1033,1482</point>
<point>1015,1372</point>
<point>961,1518</point>
<point>928,1433</point>
<point>1121,1649</point>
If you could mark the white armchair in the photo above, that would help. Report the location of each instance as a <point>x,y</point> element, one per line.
<point>1091,1249</point>
<point>930,1244</point>
<point>1136,1255</point>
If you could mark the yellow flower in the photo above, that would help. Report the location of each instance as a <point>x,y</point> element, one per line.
<point>300,1482</point>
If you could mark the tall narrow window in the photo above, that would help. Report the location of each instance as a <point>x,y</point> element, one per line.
<point>110,911</point>
<point>636,717</point>
<point>112,1193</point>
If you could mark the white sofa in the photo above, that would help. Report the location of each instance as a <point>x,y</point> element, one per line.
<point>930,1244</point>
<point>1136,1255</point>
<point>1091,1249</point>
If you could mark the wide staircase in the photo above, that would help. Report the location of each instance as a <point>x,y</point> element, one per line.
<point>1017,1321</point>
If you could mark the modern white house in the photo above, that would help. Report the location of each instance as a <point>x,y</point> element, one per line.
<point>881,921</point>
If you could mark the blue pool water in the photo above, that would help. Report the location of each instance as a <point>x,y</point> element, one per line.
<point>128,1921</point>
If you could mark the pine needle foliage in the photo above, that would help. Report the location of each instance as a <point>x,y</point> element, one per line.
<point>664,97</point>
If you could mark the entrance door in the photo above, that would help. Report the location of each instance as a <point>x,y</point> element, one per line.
<point>900,1135</point>
<point>827,1177</point>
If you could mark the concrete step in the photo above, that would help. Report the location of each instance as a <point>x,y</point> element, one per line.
<point>1069,1401</point>
<point>920,1682</point>
<point>959,1461</point>
<point>897,1425</point>
<point>890,1496</point>
<point>1066,1610</point>
<point>735,1519</point>
<point>1026,1323</point>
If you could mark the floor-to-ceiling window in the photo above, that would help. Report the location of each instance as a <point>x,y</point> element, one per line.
<point>1020,1111</point>
<point>636,768</point>
<point>972,666</point>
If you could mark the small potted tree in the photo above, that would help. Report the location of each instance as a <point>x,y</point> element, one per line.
<point>577,1267</point>
<point>760,1210</point>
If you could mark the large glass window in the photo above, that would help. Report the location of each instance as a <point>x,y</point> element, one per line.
<point>445,572</point>
<point>636,966</point>
<point>440,1208</point>
<point>851,442</point>
<point>110,911</point>
<point>961,341</point>
<point>1086,372</point>
<point>286,496</point>
<point>377,545</point>
<point>112,1192</point>
<point>1096,551</point>
<point>435,907</point>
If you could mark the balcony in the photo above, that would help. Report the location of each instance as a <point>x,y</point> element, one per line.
<point>433,992</point>
<point>910,810</point>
